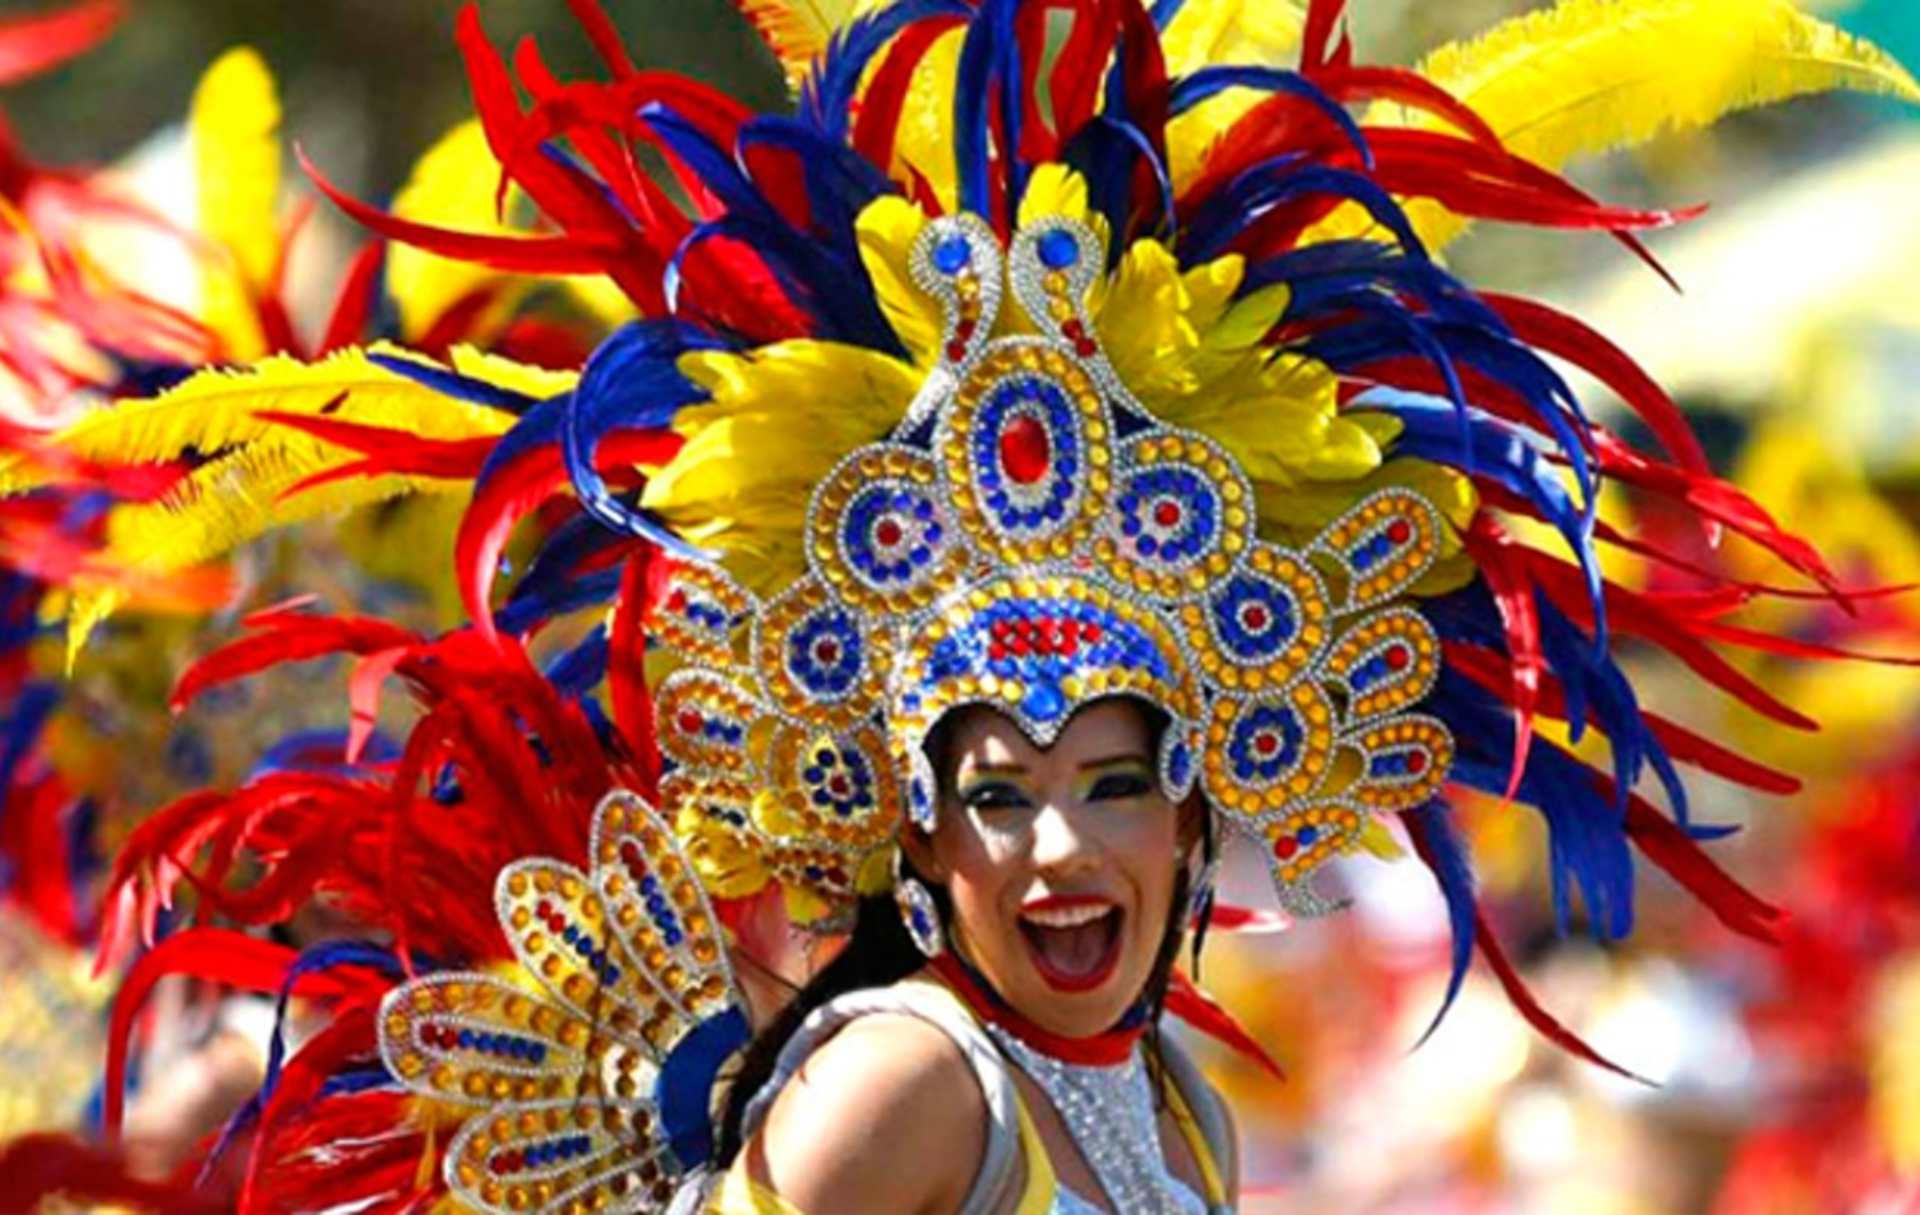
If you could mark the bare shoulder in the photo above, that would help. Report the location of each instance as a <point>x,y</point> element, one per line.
<point>888,1087</point>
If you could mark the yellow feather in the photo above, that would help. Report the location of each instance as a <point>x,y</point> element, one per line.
<point>886,230</point>
<point>797,31</point>
<point>812,402</point>
<point>450,187</point>
<point>236,495</point>
<point>923,138</point>
<point>1205,33</point>
<point>1589,76</point>
<point>540,383</point>
<point>235,132</point>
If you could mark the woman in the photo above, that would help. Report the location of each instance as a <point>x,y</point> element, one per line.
<point>1062,874</point>
<point>1051,449</point>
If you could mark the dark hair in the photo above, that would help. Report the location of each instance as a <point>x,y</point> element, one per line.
<point>880,952</point>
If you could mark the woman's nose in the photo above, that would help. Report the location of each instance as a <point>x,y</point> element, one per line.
<point>1061,836</point>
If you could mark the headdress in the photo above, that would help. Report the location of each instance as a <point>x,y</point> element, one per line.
<point>1048,349</point>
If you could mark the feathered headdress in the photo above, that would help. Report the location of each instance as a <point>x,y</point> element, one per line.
<point>835,408</point>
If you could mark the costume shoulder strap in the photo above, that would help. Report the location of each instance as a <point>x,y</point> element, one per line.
<point>1203,1120</point>
<point>1003,1178</point>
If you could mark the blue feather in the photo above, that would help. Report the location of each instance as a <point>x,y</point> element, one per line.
<point>833,81</point>
<point>455,385</point>
<point>580,669</point>
<point>1191,90</point>
<point>1446,855</point>
<point>1236,206</point>
<point>1106,152</point>
<point>632,382</point>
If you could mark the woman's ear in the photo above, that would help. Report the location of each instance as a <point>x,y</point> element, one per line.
<point>918,847</point>
<point>1193,822</point>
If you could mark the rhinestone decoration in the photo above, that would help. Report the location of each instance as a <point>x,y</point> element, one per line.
<point>1031,539</point>
<point>1110,1113</point>
<point>557,1065</point>
<point>921,916</point>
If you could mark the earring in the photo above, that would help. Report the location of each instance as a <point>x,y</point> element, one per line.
<point>918,913</point>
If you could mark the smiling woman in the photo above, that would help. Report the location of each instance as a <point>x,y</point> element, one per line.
<point>1045,909</point>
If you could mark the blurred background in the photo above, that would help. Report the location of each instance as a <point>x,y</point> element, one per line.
<point>1768,1081</point>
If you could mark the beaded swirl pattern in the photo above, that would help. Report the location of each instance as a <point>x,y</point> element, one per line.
<point>1032,539</point>
<point>582,1069</point>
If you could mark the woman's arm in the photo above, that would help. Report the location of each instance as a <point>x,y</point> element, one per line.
<point>885,1118</point>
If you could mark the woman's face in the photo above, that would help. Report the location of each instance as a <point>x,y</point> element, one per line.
<point>1060,863</point>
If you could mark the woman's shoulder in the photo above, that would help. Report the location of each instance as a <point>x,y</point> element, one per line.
<point>887,1085</point>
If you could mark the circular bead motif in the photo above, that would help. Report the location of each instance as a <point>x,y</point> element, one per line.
<point>835,787</point>
<point>1026,452</point>
<point>819,663</point>
<point>881,535</point>
<point>1263,626</point>
<point>1265,752</point>
<point>1181,517</point>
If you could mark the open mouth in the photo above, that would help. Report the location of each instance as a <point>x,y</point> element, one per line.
<point>1074,943</point>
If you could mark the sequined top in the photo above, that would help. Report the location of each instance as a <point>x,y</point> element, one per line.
<point>1015,1176</point>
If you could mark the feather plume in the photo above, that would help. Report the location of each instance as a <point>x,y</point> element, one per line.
<point>246,463</point>
<point>441,192</point>
<point>235,131</point>
<point>799,31</point>
<point>1590,76</point>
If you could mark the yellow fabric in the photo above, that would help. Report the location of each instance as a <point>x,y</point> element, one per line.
<point>1183,1117</point>
<point>739,1194</point>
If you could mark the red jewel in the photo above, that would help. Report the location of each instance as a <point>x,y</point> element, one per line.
<point>826,651</point>
<point>887,532</point>
<point>1068,628</point>
<point>1417,762</point>
<point>1001,628</point>
<point>1069,645</point>
<point>1025,451</point>
<point>997,652</point>
<point>688,721</point>
<point>1397,658</point>
<point>964,330</point>
<point>1255,617</point>
<point>1073,329</point>
<point>1285,847</point>
<point>956,351</point>
<point>1021,646</point>
<point>1167,514</point>
<point>1266,744</point>
<point>1399,531</point>
<point>837,876</point>
<point>543,909</point>
<point>1090,631</point>
<point>838,786</point>
<point>1086,348</point>
<point>677,602</point>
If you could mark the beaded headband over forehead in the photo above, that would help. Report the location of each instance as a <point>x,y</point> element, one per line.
<point>1032,539</point>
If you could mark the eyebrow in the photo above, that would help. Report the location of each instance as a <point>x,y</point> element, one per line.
<point>1114,761</point>
<point>996,770</point>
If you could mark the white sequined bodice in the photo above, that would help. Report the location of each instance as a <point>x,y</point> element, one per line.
<point>1109,1112</point>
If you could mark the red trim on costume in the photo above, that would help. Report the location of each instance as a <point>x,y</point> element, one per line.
<point>1107,1049</point>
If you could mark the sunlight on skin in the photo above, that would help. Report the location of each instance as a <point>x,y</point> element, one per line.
<point>1062,833</point>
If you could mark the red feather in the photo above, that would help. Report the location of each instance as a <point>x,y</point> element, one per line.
<point>39,1167</point>
<point>1186,1001</point>
<point>32,43</point>
<point>1501,565</point>
<point>1523,1001</point>
<point>353,306</point>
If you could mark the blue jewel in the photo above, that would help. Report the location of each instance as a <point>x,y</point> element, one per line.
<point>1308,835</point>
<point>952,255</point>
<point>1058,249</point>
<point>1044,701</point>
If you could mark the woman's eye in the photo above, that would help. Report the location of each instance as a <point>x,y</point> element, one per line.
<point>1118,785</point>
<point>994,797</point>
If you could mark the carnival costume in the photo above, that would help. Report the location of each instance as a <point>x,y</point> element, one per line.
<point>1048,352</point>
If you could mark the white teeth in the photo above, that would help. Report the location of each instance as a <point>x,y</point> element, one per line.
<point>1067,917</point>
